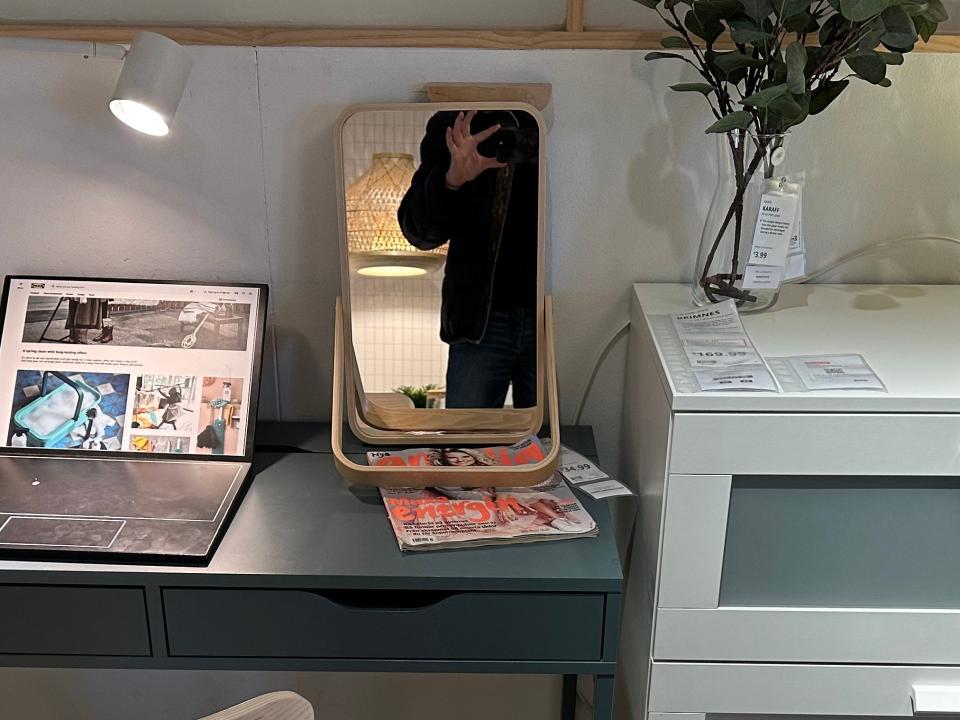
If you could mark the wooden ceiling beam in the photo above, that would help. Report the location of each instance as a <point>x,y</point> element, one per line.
<point>289,36</point>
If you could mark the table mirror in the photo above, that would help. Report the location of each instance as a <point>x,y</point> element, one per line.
<point>442,260</point>
<point>443,335</point>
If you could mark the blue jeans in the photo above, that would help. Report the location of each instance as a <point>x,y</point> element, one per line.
<point>479,374</point>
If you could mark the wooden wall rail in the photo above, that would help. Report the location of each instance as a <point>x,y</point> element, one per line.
<point>290,36</point>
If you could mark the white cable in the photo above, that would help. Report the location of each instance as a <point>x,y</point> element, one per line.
<point>871,249</point>
<point>596,367</point>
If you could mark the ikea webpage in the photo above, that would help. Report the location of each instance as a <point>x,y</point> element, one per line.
<point>127,367</point>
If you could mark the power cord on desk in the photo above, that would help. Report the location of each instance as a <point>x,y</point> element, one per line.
<point>608,346</point>
<point>872,249</point>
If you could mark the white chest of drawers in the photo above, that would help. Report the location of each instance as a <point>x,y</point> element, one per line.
<point>796,554</point>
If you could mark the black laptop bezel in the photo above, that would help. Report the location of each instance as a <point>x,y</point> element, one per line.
<point>255,376</point>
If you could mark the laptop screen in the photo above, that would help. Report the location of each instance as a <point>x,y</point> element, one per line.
<point>129,367</point>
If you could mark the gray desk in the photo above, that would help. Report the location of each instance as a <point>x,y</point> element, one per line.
<point>309,577</point>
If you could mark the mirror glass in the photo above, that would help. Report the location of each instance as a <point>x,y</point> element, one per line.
<point>444,249</point>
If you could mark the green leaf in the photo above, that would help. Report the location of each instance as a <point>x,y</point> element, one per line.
<point>671,4</point>
<point>802,23</point>
<point>925,28</point>
<point>899,29</point>
<point>759,10</point>
<point>796,57</point>
<point>791,8</point>
<point>739,120</point>
<point>652,4</point>
<point>868,66</point>
<point>914,8</point>
<point>656,55</point>
<point>674,41</point>
<point>730,61</point>
<point>709,30</point>
<point>763,98</point>
<point>891,58</point>
<point>703,88</point>
<point>826,94</point>
<point>834,26</point>
<point>860,10</point>
<point>712,10</point>
<point>935,12</point>
<point>790,111</point>
<point>885,82</point>
<point>746,31</point>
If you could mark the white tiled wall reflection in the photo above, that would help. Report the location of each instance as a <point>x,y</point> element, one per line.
<point>396,321</point>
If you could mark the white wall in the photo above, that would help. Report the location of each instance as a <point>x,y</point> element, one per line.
<point>244,189</point>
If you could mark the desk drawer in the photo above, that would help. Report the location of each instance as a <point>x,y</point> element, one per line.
<point>383,624</point>
<point>66,620</point>
<point>815,444</point>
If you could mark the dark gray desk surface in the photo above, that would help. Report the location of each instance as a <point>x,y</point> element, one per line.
<point>300,525</point>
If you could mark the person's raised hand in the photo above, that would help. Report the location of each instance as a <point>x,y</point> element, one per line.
<point>466,163</point>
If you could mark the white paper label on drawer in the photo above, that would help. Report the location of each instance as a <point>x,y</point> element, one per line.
<point>714,336</point>
<point>739,377</point>
<point>835,372</point>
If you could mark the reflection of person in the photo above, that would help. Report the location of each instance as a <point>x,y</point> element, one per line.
<point>488,212</point>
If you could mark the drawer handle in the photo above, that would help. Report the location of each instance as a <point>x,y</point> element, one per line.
<point>936,699</point>
<point>385,601</point>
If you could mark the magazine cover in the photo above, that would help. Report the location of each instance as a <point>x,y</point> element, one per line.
<point>444,517</point>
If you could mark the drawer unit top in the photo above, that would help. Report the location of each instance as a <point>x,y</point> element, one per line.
<point>909,334</point>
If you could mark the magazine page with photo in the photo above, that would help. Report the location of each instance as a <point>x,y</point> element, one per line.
<point>138,367</point>
<point>445,517</point>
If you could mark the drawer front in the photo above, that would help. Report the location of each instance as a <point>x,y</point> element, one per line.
<point>800,691</point>
<point>810,444</point>
<point>64,620</point>
<point>315,624</point>
<point>801,635</point>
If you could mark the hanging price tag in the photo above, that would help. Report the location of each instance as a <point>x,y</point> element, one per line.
<point>776,225</point>
<point>771,237</point>
<point>797,253</point>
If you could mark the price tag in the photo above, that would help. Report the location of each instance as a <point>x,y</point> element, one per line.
<point>762,277</point>
<point>741,377</point>
<point>771,236</point>
<point>797,254</point>
<point>576,469</point>
<point>605,489</point>
<point>835,372</point>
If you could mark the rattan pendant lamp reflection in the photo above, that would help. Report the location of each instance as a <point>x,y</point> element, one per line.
<point>376,245</point>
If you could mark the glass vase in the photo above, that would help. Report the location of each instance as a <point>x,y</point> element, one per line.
<point>744,163</point>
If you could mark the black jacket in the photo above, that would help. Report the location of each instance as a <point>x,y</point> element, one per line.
<point>492,256</point>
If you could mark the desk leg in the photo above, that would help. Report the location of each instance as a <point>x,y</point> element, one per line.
<point>568,703</point>
<point>602,697</point>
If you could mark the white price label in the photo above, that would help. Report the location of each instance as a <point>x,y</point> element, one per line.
<point>762,277</point>
<point>771,236</point>
<point>576,469</point>
<point>835,372</point>
<point>741,377</point>
<point>605,489</point>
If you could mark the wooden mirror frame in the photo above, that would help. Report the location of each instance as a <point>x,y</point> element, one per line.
<point>408,425</point>
<point>360,473</point>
